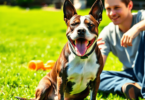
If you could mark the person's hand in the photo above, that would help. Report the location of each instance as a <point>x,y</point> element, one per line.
<point>128,37</point>
<point>99,42</point>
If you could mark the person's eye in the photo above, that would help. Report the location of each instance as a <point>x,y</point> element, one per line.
<point>108,9</point>
<point>116,7</point>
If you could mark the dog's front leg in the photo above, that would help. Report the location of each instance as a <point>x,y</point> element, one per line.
<point>60,88</point>
<point>94,88</point>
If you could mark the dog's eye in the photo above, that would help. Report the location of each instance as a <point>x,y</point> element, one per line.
<point>74,24</point>
<point>90,25</point>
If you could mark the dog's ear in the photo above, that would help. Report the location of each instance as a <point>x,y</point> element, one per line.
<point>96,10</point>
<point>68,10</point>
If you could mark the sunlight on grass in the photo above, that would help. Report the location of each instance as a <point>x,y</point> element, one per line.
<point>34,34</point>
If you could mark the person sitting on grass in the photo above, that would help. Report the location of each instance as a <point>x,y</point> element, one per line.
<point>125,38</point>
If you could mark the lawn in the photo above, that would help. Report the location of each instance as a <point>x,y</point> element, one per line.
<point>35,34</point>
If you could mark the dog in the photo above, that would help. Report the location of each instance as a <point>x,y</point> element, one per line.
<point>77,71</point>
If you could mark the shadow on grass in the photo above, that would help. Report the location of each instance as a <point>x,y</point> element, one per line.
<point>63,31</point>
<point>110,95</point>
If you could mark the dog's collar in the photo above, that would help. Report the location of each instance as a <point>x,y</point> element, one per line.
<point>85,56</point>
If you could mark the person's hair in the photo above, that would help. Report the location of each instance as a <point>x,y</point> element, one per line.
<point>126,2</point>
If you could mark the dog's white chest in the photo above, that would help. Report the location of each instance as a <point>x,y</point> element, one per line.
<point>81,72</point>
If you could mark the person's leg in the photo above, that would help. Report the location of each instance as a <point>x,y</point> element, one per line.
<point>112,81</point>
<point>139,68</point>
<point>123,82</point>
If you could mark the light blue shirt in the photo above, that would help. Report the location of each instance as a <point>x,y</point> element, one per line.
<point>112,36</point>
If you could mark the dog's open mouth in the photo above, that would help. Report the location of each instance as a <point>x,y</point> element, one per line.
<point>81,45</point>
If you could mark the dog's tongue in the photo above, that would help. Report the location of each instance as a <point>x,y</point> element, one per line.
<point>81,47</point>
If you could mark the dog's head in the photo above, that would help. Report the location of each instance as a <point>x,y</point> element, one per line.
<point>82,31</point>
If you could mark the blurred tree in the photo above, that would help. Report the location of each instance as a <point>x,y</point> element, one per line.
<point>57,3</point>
<point>24,3</point>
<point>91,2</point>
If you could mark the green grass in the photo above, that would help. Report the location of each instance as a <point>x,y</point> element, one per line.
<point>34,34</point>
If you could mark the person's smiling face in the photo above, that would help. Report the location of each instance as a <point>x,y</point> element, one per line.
<point>117,11</point>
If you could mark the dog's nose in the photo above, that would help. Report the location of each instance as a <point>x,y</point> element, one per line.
<point>81,32</point>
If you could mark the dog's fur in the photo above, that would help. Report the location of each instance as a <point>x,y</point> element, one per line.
<point>77,70</point>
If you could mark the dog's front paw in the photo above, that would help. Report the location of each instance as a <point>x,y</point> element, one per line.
<point>56,98</point>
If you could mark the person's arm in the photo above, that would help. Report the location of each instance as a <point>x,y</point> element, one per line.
<point>104,59</point>
<point>99,42</point>
<point>132,33</point>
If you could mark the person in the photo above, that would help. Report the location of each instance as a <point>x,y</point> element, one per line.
<point>125,38</point>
